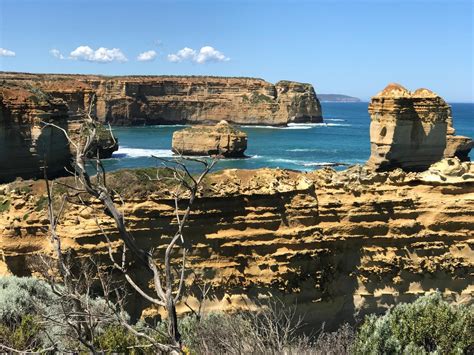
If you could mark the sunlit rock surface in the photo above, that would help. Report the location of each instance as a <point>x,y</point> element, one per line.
<point>408,129</point>
<point>338,244</point>
<point>142,100</point>
<point>220,139</point>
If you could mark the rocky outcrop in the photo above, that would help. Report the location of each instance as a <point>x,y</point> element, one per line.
<point>408,129</point>
<point>139,100</point>
<point>27,145</point>
<point>221,139</point>
<point>337,244</point>
<point>457,146</point>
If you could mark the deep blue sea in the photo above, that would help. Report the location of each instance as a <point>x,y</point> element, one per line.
<point>343,138</point>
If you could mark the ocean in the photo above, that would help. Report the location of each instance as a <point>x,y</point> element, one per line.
<point>343,139</point>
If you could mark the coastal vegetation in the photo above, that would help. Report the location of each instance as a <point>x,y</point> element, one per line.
<point>33,319</point>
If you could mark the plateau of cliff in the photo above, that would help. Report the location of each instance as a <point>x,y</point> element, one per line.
<point>142,100</point>
<point>339,244</point>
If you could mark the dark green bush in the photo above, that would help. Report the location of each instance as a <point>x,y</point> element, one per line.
<point>428,325</point>
<point>116,338</point>
<point>22,335</point>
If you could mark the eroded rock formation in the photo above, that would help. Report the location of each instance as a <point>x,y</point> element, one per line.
<point>408,129</point>
<point>26,144</point>
<point>338,244</point>
<point>138,100</point>
<point>221,139</point>
<point>457,146</point>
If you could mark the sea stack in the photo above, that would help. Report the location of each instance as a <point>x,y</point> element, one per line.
<point>221,139</point>
<point>408,129</point>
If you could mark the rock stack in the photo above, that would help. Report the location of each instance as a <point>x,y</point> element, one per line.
<point>221,139</point>
<point>408,129</point>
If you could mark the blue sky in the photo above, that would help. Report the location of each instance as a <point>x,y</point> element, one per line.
<point>349,47</point>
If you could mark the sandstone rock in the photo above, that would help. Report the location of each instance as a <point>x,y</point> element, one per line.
<point>138,100</point>
<point>336,243</point>
<point>26,145</point>
<point>459,147</point>
<point>408,129</point>
<point>221,139</point>
<point>449,171</point>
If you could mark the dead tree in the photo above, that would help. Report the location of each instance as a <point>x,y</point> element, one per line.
<point>168,283</point>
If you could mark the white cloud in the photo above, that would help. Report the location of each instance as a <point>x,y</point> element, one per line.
<point>101,55</point>
<point>183,54</point>
<point>57,54</point>
<point>209,54</point>
<point>146,56</point>
<point>6,53</point>
<point>205,54</point>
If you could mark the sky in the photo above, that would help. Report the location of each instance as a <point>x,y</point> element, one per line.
<point>346,47</point>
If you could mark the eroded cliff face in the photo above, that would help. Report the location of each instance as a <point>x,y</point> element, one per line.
<point>137,100</point>
<point>221,139</point>
<point>340,244</point>
<point>408,129</point>
<point>26,146</point>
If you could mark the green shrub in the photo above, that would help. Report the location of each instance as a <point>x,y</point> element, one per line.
<point>116,338</point>
<point>4,205</point>
<point>23,335</point>
<point>22,297</point>
<point>429,325</point>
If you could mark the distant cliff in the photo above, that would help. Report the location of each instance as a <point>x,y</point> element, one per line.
<point>337,98</point>
<point>143,100</point>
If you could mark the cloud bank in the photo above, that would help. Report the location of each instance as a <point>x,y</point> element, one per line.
<point>6,53</point>
<point>146,56</point>
<point>204,55</point>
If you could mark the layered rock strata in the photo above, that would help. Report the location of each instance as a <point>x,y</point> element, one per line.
<point>457,146</point>
<point>27,144</point>
<point>221,139</point>
<point>138,100</point>
<point>337,244</point>
<point>408,129</point>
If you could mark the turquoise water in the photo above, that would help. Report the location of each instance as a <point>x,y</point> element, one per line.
<point>343,138</point>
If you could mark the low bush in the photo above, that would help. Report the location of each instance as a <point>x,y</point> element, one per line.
<point>429,325</point>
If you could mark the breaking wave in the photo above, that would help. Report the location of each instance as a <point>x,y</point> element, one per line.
<point>139,152</point>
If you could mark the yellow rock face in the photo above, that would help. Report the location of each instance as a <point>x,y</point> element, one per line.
<point>407,130</point>
<point>221,139</point>
<point>131,100</point>
<point>339,244</point>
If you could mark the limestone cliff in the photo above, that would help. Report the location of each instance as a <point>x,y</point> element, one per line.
<point>221,139</point>
<point>137,100</point>
<point>408,129</point>
<point>340,244</point>
<point>26,144</point>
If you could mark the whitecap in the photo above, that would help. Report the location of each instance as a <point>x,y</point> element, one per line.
<point>139,152</point>
<point>335,119</point>
<point>324,164</point>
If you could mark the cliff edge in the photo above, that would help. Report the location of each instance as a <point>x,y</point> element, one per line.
<point>146,100</point>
